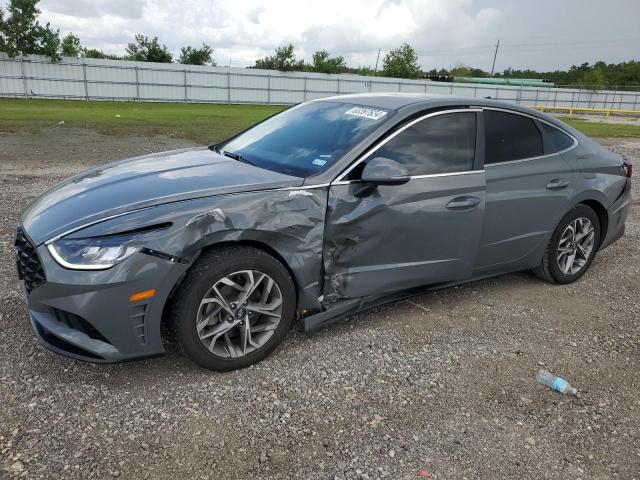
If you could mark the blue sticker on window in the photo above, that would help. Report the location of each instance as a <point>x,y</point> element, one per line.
<point>319,162</point>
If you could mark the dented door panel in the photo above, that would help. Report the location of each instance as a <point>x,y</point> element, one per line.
<point>396,237</point>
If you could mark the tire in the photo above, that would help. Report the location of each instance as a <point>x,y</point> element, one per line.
<point>554,267</point>
<point>196,302</point>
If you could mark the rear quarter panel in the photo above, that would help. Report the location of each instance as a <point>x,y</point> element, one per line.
<point>599,172</point>
<point>600,178</point>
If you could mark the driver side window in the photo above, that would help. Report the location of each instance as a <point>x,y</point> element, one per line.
<point>439,144</point>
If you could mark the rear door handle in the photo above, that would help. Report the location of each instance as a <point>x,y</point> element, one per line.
<point>557,184</point>
<point>463,203</point>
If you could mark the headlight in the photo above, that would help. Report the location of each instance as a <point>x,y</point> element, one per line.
<point>97,253</point>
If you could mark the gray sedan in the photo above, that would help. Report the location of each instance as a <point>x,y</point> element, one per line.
<point>321,211</point>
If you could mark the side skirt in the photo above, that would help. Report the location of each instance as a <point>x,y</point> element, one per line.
<point>346,308</point>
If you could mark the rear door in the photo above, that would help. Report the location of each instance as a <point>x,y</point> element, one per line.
<point>529,189</point>
<point>389,238</point>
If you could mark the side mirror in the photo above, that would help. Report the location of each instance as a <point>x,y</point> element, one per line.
<point>384,171</point>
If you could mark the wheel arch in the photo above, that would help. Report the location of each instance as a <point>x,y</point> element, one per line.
<point>601,212</point>
<point>544,270</point>
<point>254,243</point>
<point>260,245</point>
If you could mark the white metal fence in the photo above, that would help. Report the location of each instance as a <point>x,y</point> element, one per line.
<point>92,79</point>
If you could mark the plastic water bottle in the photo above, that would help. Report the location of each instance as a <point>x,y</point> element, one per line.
<point>558,384</point>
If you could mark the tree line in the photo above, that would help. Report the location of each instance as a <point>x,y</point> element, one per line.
<point>596,76</point>
<point>22,34</point>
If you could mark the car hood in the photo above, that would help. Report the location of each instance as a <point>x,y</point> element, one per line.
<point>141,182</point>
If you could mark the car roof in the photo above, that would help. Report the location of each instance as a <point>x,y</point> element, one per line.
<point>399,100</point>
<point>389,100</point>
<point>416,101</point>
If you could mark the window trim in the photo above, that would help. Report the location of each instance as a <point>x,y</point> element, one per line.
<point>339,179</point>
<point>542,134</point>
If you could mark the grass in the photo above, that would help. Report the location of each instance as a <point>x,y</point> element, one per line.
<point>202,123</point>
<point>600,129</point>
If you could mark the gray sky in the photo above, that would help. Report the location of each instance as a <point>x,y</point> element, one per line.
<point>538,34</point>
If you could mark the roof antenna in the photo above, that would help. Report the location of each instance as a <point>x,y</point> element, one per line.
<point>488,97</point>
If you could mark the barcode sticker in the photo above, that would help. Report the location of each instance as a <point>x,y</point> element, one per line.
<point>364,112</point>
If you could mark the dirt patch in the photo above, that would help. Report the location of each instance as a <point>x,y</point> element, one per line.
<point>443,382</point>
<point>617,119</point>
<point>61,151</point>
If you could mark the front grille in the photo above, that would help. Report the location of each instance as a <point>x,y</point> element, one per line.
<point>28,263</point>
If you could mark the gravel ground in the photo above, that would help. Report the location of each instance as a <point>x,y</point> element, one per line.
<point>440,386</point>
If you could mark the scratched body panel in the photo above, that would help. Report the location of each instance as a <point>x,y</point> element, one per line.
<point>288,221</point>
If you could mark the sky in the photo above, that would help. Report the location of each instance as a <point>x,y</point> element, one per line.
<point>536,34</point>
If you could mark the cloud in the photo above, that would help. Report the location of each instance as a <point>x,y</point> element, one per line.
<point>444,32</point>
<point>90,9</point>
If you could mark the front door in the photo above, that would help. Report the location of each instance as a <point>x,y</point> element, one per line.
<point>384,239</point>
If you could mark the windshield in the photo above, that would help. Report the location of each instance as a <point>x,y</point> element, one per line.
<point>307,138</point>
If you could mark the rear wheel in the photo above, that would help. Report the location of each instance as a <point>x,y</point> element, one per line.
<point>235,306</point>
<point>572,247</point>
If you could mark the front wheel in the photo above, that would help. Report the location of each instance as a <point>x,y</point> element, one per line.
<point>233,308</point>
<point>572,247</point>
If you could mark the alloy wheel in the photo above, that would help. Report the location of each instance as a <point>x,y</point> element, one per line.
<point>239,313</point>
<point>575,246</point>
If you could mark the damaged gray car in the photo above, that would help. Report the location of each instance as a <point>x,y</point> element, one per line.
<point>321,211</point>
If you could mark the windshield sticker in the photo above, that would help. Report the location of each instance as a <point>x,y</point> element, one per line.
<point>363,112</point>
<point>319,162</point>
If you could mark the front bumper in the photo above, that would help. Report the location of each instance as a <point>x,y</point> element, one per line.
<point>88,315</point>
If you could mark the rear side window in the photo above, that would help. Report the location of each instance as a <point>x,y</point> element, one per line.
<point>559,139</point>
<point>510,137</point>
<point>441,144</point>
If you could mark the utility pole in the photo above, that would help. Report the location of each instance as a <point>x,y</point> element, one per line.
<point>494,57</point>
<point>377,58</point>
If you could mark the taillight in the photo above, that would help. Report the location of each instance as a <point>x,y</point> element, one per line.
<point>628,169</point>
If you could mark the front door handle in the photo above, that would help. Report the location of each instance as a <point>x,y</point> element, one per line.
<point>557,184</point>
<point>463,203</point>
